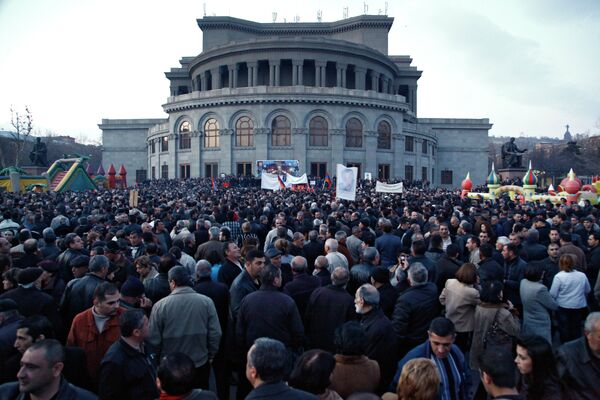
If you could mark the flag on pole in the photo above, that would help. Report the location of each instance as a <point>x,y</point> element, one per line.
<point>281,184</point>
<point>327,182</point>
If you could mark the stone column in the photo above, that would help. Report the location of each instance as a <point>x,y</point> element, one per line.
<point>252,73</point>
<point>261,144</point>
<point>360,76</point>
<point>418,161</point>
<point>233,75</point>
<point>370,143</point>
<point>203,81</point>
<point>397,167</point>
<point>384,83</point>
<point>374,81</point>
<point>320,73</point>
<point>274,72</point>
<point>299,138</point>
<point>341,75</point>
<point>297,72</point>
<point>216,78</point>
<point>225,164</point>
<point>413,98</point>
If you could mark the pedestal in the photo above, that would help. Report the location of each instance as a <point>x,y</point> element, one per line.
<point>511,173</point>
<point>34,170</point>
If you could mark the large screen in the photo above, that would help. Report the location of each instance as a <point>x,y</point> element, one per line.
<point>291,167</point>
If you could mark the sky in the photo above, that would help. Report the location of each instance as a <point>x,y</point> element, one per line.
<point>531,66</point>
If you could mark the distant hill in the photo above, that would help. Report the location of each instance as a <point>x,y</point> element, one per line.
<point>57,146</point>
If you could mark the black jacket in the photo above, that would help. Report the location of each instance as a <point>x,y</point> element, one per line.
<point>578,370</point>
<point>534,251</point>
<point>324,276</point>
<point>381,344</point>
<point>328,308</point>
<point>278,391</point>
<point>125,373</point>
<point>312,250</point>
<point>281,320</point>
<point>228,272</point>
<point>490,270</point>
<point>445,269</point>
<point>32,301</point>
<point>427,263</point>
<point>79,295</point>
<point>300,289</point>
<point>157,288</point>
<point>387,298</point>
<point>240,288</point>
<point>66,391</point>
<point>219,294</point>
<point>415,309</point>
<point>64,263</point>
<point>550,268</point>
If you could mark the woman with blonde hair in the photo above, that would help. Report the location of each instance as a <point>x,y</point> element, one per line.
<point>419,380</point>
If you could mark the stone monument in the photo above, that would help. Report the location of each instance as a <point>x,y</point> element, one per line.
<point>512,160</point>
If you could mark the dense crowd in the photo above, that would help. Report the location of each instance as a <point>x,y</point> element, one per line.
<point>208,290</point>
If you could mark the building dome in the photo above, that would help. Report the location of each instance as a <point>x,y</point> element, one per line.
<point>530,179</point>
<point>493,178</point>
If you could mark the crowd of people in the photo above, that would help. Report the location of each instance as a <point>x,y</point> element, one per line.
<point>204,291</point>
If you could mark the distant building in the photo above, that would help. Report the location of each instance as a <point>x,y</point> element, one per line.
<point>567,136</point>
<point>320,93</point>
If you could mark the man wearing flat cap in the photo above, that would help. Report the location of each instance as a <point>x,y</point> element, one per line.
<point>132,295</point>
<point>286,269</point>
<point>31,300</point>
<point>51,283</point>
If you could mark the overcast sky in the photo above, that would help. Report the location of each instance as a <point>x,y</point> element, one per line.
<point>529,66</point>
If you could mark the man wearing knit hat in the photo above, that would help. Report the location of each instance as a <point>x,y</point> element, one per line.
<point>51,283</point>
<point>132,295</point>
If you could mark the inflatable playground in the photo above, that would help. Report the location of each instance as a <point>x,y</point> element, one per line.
<point>570,190</point>
<point>66,174</point>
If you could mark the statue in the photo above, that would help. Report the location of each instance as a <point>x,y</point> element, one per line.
<point>512,155</point>
<point>38,154</point>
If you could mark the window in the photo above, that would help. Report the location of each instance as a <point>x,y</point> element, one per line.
<point>384,135</point>
<point>423,173</point>
<point>153,146</point>
<point>244,169</point>
<point>409,144</point>
<point>164,143</point>
<point>244,132</point>
<point>383,172</point>
<point>140,175</point>
<point>408,172</point>
<point>318,169</point>
<point>212,170</point>
<point>185,140</point>
<point>353,133</point>
<point>184,171</point>
<point>211,133</point>
<point>446,177</point>
<point>318,132</point>
<point>153,172</point>
<point>281,131</point>
<point>164,172</point>
<point>357,165</point>
<point>424,147</point>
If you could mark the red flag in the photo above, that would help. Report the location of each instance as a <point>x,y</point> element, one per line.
<point>281,184</point>
<point>214,184</point>
<point>327,182</point>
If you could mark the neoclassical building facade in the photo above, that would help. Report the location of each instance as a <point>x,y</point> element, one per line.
<point>320,93</point>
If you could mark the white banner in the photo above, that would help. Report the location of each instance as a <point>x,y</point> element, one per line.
<point>295,180</point>
<point>269,181</point>
<point>389,187</point>
<point>346,182</point>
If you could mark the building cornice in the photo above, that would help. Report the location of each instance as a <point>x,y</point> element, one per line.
<point>288,95</point>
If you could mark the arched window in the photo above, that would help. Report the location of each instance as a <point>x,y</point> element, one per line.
<point>353,133</point>
<point>244,132</point>
<point>384,135</point>
<point>185,140</point>
<point>318,130</point>
<point>281,131</point>
<point>211,133</point>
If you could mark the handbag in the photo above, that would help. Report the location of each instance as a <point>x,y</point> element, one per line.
<point>498,338</point>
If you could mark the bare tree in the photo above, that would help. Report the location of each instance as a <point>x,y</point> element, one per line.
<point>23,125</point>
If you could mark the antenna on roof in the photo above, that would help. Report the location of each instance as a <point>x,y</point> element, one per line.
<point>274,15</point>
<point>204,5</point>
<point>345,12</point>
<point>365,8</point>
<point>319,15</point>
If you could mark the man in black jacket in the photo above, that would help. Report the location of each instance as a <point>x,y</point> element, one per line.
<point>415,309</point>
<point>232,266</point>
<point>380,279</point>
<point>447,266</point>
<point>74,248</point>
<point>418,250</point>
<point>302,285</point>
<point>128,369</point>
<point>79,293</point>
<point>489,269</point>
<point>41,375</point>
<point>381,341</point>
